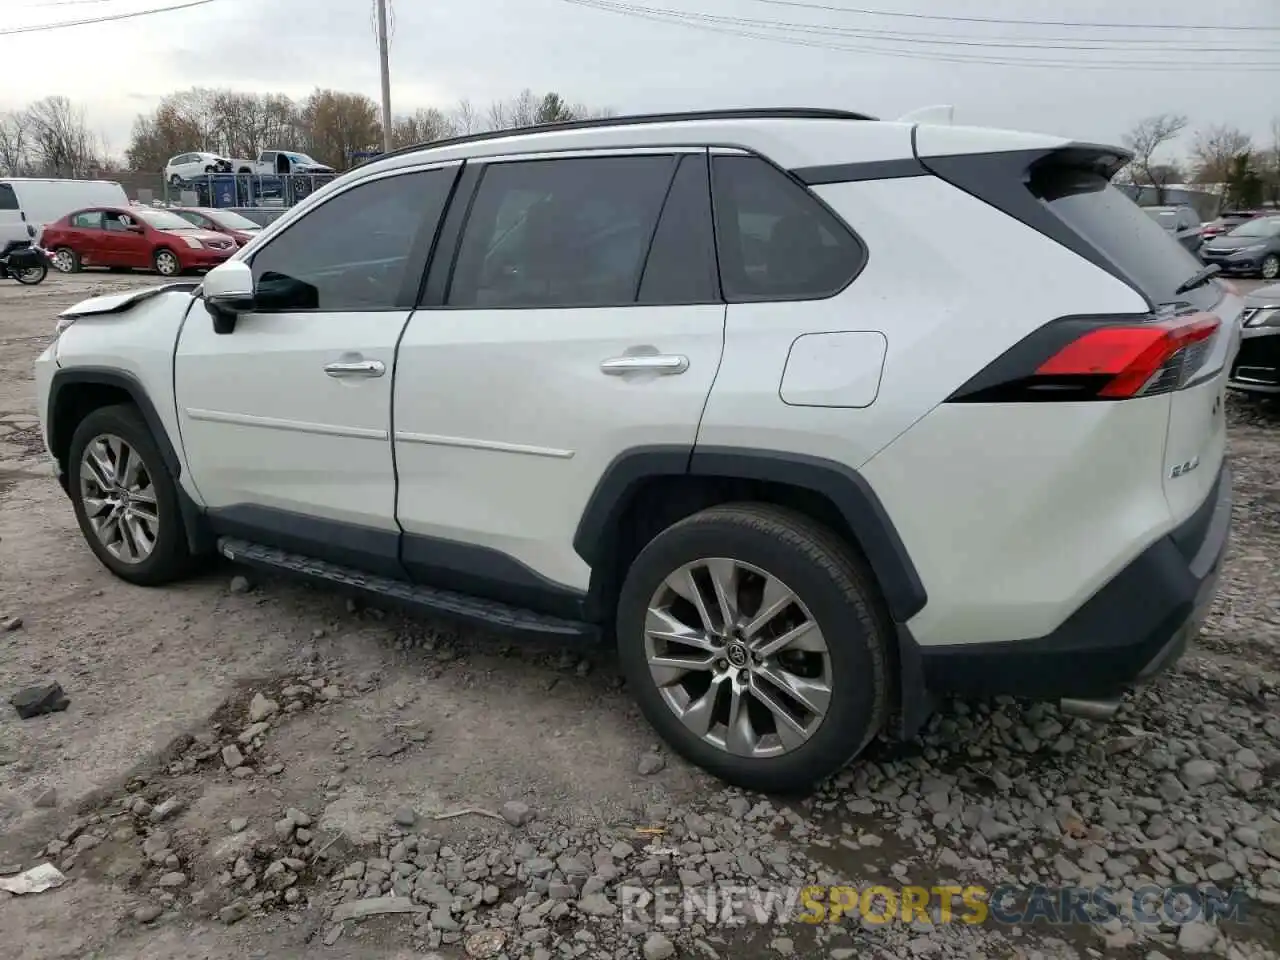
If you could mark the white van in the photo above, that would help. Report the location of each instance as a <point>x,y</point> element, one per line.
<point>27,204</point>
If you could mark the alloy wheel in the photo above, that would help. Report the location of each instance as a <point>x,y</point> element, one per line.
<point>738,658</point>
<point>64,260</point>
<point>166,263</point>
<point>1271,267</point>
<point>119,498</point>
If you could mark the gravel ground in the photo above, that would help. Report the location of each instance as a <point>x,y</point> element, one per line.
<point>258,769</point>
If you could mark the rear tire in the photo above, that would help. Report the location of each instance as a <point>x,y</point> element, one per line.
<point>147,544</point>
<point>839,662</point>
<point>66,260</point>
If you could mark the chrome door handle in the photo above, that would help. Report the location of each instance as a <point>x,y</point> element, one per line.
<point>667,363</point>
<point>356,368</point>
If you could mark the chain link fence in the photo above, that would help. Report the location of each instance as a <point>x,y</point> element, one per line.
<point>223,190</point>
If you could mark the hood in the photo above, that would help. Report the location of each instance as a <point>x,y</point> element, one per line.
<point>204,236</point>
<point>1264,296</point>
<point>1234,243</point>
<point>119,302</point>
<point>314,168</point>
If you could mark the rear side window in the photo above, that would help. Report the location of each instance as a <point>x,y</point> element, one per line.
<point>560,233</point>
<point>90,219</point>
<point>775,240</point>
<point>1155,263</point>
<point>8,199</point>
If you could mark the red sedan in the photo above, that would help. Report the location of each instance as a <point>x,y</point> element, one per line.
<point>140,237</point>
<point>238,228</point>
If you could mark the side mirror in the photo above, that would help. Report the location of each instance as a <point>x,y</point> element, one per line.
<point>228,292</point>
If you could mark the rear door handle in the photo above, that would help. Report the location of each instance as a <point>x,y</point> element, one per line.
<point>356,368</point>
<point>664,363</point>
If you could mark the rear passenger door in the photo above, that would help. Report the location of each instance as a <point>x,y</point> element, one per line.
<point>579,318</point>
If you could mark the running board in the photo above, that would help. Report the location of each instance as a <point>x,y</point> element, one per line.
<point>418,599</point>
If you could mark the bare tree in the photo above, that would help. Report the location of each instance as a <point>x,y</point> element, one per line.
<point>13,144</point>
<point>1215,152</point>
<point>422,126</point>
<point>61,143</point>
<point>1145,140</point>
<point>465,118</point>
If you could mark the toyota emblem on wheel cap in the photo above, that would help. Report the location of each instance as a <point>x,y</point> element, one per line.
<point>737,654</point>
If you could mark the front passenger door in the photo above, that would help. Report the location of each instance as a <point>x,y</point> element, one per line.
<point>286,420</point>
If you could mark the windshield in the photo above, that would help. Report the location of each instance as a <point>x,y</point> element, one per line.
<point>1166,218</point>
<point>301,158</point>
<point>162,219</point>
<point>1257,228</point>
<point>233,221</point>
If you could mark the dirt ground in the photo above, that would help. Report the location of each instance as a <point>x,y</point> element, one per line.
<point>374,714</point>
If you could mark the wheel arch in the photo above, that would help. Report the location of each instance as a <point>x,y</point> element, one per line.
<point>75,392</point>
<point>646,489</point>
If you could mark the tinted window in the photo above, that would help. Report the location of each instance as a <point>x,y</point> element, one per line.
<point>560,233</point>
<point>8,199</point>
<point>775,240</point>
<point>681,267</point>
<point>91,219</point>
<point>351,252</point>
<point>1152,260</point>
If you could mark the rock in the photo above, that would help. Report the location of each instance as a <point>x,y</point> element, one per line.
<point>148,913</point>
<point>254,730</point>
<point>1270,841</point>
<point>784,946</point>
<point>36,701</point>
<point>658,947</point>
<point>231,756</point>
<point>1197,773</point>
<point>12,624</point>
<point>300,818</point>
<point>1197,937</point>
<point>406,817</point>
<point>373,906</point>
<point>47,799</point>
<point>239,584</point>
<point>650,764</point>
<point>516,813</point>
<point>242,773</point>
<point>237,824</point>
<point>485,944</point>
<point>166,809</point>
<point>234,913</point>
<point>174,879</point>
<point>260,708</point>
<point>596,905</point>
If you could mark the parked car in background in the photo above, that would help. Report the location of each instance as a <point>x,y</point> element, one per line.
<point>28,203</point>
<point>228,222</point>
<point>1180,222</point>
<point>1252,248</point>
<point>272,163</point>
<point>188,166</point>
<point>1226,221</point>
<point>137,237</point>
<point>1257,366</point>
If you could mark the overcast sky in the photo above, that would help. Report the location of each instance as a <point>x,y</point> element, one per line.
<point>444,50</point>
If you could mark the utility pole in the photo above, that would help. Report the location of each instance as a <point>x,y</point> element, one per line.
<point>383,63</point>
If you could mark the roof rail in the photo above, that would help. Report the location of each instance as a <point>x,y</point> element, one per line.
<point>743,113</point>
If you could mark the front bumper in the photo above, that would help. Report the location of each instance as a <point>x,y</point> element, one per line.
<point>1138,624</point>
<point>204,259</point>
<point>1235,265</point>
<point>1257,366</point>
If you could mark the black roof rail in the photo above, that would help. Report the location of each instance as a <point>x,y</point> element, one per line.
<point>742,113</point>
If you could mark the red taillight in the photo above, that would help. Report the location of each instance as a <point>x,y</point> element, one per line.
<point>1131,357</point>
<point>1097,358</point>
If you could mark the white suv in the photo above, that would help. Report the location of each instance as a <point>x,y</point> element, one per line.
<point>816,416</point>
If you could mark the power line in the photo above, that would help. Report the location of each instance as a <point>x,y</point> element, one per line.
<point>1106,45</point>
<point>832,8</point>
<point>695,21</point>
<point>105,18</point>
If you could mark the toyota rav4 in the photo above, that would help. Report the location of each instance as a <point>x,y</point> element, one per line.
<point>738,391</point>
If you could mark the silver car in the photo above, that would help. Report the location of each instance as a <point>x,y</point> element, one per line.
<point>1182,223</point>
<point>1257,365</point>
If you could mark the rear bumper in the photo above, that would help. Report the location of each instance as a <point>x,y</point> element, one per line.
<point>1138,624</point>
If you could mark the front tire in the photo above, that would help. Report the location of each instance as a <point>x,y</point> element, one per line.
<point>1270,267</point>
<point>125,499</point>
<point>756,644</point>
<point>166,263</point>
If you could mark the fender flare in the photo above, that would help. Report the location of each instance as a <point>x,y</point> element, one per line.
<point>193,519</point>
<point>903,590</point>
